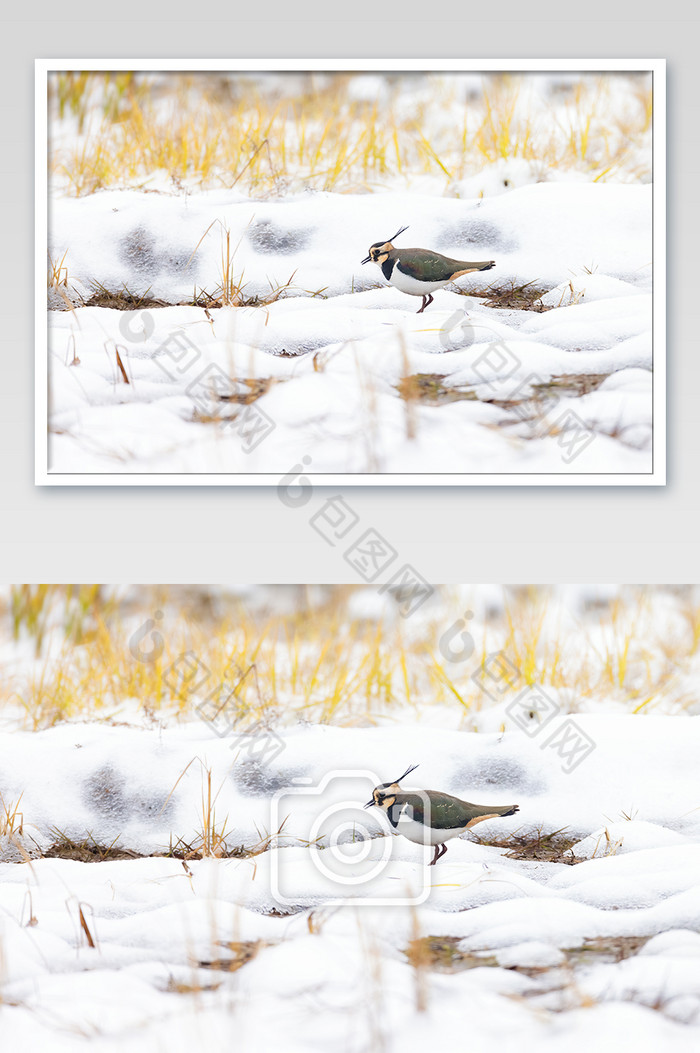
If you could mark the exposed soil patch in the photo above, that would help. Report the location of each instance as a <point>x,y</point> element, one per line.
<point>257,386</point>
<point>554,847</point>
<point>512,297</point>
<point>243,953</point>
<point>442,954</point>
<point>571,384</point>
<point>87,851</point>
<point>607,949</point>
<point>429,388</point>
<point>123,300</point>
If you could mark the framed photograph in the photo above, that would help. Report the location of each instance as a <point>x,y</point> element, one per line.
<point>363,272</point>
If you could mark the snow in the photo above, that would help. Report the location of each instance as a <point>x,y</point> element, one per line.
<point>336,953</point>
<point>333,351</point>
<point>121,779</point>
<point>163,245</point>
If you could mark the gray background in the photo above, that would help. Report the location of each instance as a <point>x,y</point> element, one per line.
<point>448,534</point>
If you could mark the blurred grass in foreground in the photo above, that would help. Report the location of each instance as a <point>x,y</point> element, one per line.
<point>93,651</point>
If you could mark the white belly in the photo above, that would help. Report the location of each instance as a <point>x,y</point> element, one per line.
<point>423,835</point>
<point>406,284</point>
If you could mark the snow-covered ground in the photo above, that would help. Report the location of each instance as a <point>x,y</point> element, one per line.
<point>316,360</point>
<point>326,371</point>
<point>309,922</point>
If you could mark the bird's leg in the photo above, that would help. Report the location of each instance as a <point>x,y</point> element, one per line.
<point>439,851</point>
<point>427,300</point>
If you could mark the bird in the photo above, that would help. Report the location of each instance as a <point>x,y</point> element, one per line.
<point>447,816</point>
<point>419,272</point>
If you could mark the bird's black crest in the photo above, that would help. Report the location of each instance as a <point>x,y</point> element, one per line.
<point>390,240</point>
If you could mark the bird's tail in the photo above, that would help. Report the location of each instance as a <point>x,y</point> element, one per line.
<point>462,267</point>
<point>479,813</point>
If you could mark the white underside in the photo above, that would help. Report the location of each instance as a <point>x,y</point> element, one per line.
<point>424,835</point>
<point>406,284</point>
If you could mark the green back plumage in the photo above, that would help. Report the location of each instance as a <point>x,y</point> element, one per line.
<point>430,266</point>
<point>447,812</point>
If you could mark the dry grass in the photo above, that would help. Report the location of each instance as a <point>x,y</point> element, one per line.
<point>317,131</point>
<point>554,847</point>
<point>57,272</point>
<point>442,954</point>
<point>229,290</point>
<point>513,297</point>
<point>11,819</point>
<point>87,850</point>
<point>170,652</point>
<point>430,389</point>
<point>243,951</point>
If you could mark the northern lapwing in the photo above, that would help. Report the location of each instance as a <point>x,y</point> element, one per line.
<point>430,818</point>
<point>419,272</point>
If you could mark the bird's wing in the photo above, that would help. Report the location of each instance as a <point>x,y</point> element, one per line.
<point>431,266</point>
<point>423,265</point>
<point>446,813</point>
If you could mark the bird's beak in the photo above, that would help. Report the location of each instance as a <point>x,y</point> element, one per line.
<point>366,259</point>
<point>368,805</point>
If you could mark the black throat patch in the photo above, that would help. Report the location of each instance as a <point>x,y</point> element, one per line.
<point>387,268</point>
<point>394,813</point>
